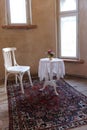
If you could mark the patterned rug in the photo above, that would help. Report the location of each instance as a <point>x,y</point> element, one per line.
<point>43,110</point>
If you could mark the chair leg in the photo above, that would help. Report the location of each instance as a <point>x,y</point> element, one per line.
<point>16,80</point>
<point>5,83</point>
<point>30,78</point>
<point>6,76</point>
<point>21,76</point>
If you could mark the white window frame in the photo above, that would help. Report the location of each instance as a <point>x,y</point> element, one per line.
<point>65,14</point>
<point>28,13</point>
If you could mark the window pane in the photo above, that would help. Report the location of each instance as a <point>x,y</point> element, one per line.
<point>68,36</point>
<point>18,11</point>
<point>67,5</point>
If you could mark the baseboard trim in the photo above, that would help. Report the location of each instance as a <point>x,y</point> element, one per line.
<point>77,76</point>
<point>35,76</point>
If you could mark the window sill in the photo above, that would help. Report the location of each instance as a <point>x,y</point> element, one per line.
<point>19,26</point>
<point>79,61</point>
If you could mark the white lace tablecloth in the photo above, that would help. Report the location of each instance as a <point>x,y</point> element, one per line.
<point>49,68</point>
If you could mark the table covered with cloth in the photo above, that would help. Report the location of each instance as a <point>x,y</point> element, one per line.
<point>49,68</point>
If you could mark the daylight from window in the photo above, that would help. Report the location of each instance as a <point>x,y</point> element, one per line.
<point>68,29</point>
<point>67,5</point>
<point>68,36</point>
<point>18,11</point>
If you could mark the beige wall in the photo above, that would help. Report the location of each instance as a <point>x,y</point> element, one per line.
<point>81,69</point>
<point>32,44</point>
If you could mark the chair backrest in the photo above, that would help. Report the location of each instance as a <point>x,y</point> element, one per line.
<point>9,57</point>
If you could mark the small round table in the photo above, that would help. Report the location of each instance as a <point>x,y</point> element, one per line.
<point>49,68</point>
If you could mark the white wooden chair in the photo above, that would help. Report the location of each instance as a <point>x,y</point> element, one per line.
<point>11,67</point>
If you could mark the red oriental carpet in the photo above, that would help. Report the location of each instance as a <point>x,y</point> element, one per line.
<point>43,110</point>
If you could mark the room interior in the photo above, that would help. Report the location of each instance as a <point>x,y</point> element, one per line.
<point>33,43</point>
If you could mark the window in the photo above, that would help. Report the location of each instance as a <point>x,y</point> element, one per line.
<point>68,19</point>
<point>18,12</point>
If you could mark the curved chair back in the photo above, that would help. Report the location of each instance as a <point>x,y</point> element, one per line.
<point>9,57</point>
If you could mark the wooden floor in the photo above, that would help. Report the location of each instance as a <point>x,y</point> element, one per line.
<point>79,84</point>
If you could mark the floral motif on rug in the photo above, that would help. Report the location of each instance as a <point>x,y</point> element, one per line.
<point>43,110</point>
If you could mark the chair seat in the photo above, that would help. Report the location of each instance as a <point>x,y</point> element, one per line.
<point>18,69</point>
